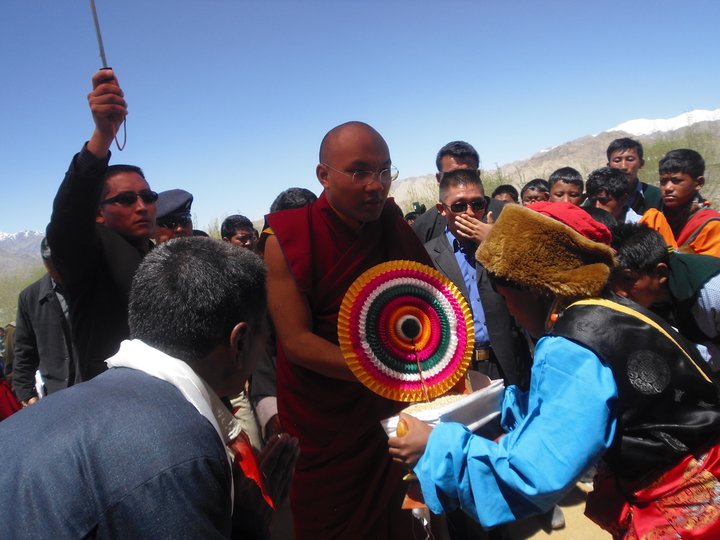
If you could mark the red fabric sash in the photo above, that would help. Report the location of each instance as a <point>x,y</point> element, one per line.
<point>686,239</point>
<point>9,404</point>
<point>696,221</point>
<point>244,457</point>
<point>345,483</point>
<point>683,502</point>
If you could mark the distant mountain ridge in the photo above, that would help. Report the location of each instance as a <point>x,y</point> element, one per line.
<point>643,126</point>
<point>20,265</point>
<point>19,251</point>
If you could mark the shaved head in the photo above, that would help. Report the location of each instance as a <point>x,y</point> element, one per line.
<point>344,134</point>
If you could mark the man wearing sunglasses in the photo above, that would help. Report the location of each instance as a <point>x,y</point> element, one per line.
<point>501,351</point>
<point>173,215</point>
<point>101,227</point>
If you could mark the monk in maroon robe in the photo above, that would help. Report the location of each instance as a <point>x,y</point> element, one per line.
<point>345,484</point>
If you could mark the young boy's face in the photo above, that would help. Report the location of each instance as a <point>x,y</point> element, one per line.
<point>628,161</point>
<point>678,188</point>
<point>643,288</point>
<point>563,192</point>
<point>532,195</point>
<point>607,202</point>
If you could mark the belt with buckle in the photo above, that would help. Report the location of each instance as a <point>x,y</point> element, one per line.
<point>481,354</point>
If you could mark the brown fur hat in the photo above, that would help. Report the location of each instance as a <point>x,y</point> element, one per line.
<point>540,252</point>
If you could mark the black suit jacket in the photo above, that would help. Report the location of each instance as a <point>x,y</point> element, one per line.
<point>42,341</point>
<point>507,342</point>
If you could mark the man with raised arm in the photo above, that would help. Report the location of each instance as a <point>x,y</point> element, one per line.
<point>102,221</point>
<point>345,484</point>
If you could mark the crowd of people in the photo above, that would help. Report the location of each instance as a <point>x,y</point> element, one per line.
<point>170,385</point>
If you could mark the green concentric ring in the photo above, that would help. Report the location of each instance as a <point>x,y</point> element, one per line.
<point>373,332</point>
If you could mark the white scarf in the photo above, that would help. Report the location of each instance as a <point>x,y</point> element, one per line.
<point>135,354</point>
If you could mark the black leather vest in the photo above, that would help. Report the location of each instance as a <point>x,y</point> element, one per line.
<point>668,400</point>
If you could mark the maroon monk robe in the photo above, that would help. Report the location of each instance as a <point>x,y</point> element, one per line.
<point>345,485</point>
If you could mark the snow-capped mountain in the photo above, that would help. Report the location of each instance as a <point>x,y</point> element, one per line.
<point>643,126</point>
<point>24,242</point>
<point>20,253</point>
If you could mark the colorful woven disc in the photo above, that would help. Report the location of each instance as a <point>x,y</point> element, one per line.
<point>406,331</point>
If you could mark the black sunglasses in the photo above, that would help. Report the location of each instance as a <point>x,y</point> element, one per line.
<point>128,198</point>
<point>476,205</point>
<point>174,222</point>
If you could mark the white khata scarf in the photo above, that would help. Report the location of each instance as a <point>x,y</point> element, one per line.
<point>135,354</point>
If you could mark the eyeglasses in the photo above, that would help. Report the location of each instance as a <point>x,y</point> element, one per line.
<point>128,198</point>
<point>173,222</point>
<point>461,206</point>
<point>386,176</point>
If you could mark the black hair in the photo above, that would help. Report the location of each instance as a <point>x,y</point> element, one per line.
<point>461,151</point>
<point>506,188</point>
<point>459,177</point>
<point>567,175</point>
<point>538,184</point>
<point>625,143</point>
<point>294,197</point>
<point>411,216</point>
<point>638,248</point>
<point>189,293</point>
<point>232,224</point>
<point>607,180</point>
<point>683,160</point>
<point>601,216</point>
<point>113,170</point>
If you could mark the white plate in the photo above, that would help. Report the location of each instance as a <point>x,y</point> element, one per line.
<point>474,410</point>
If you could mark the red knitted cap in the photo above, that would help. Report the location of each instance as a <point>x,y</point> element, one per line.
<point>576,218</point>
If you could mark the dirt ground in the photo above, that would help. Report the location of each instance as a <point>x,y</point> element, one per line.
<point>577,526</point>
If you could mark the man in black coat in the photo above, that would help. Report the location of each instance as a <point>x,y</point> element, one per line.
<point>42,336</point>
<point>102,221</point>
<point>501,350</point>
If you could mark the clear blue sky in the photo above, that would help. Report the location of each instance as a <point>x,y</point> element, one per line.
<point>229,99</point>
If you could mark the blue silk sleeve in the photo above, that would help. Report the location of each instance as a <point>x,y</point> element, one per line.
<point>555,431</point>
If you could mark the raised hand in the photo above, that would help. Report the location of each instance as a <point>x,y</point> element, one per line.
<point>108,107</point>
<point>472,228</point>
